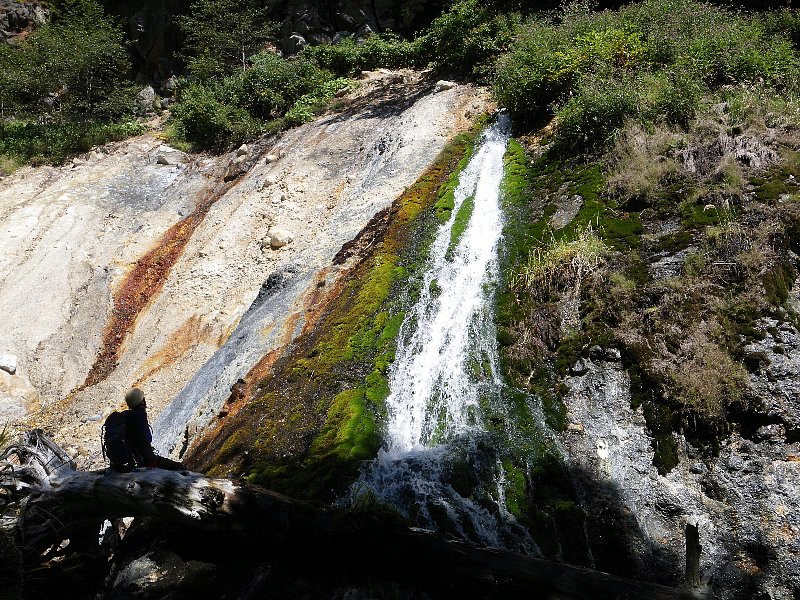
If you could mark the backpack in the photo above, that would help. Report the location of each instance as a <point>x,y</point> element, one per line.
<point>115,442</point>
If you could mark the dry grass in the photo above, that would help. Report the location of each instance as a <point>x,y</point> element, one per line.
<point>705,379</point>
<point>641,163</point>
<point>8,164</point>
<point>561,263</point>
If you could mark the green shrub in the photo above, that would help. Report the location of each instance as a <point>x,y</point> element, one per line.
<point>525,81</point>
<point>652,61</point>
<point>466,39</point>
<point>349,57</point>
<point>24,141</point>
<point>272,84</point>
<point>208,123</point>
<point>309,105</point>
<point>595,112</point>
<point>74,67</point>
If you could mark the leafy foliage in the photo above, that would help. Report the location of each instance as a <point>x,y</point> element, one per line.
<point>223,34</point>
<point>61,87</point>
<point>650,61</point>
<point>74,67</point>
<point>272,93</point>
<point>382,50</point>
<point>466,38</point>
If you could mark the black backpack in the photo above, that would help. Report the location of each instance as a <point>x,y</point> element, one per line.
<point>115,442</point>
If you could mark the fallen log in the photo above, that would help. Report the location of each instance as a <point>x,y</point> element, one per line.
<point>47,501</point>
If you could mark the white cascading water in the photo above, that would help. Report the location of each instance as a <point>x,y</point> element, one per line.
<point>445,370</point>
<point>434,394</point>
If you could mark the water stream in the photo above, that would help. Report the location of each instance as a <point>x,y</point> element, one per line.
<point>438,465</point>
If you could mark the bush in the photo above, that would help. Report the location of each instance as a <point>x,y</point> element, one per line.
<point>74,67</point>
<point>652,61</point>
<point>214,115</point>
<point>272,84</point>
<point>208,123</point>
<point>23,141</point>
<point>309,105</point>
<point>525,80</point>
<point>595,112</point>
<point>466,39</point>
<point>349,56</point>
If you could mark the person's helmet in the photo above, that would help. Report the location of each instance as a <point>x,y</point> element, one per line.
<point>134,397</point>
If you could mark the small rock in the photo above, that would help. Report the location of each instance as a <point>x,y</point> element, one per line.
<point>92,418</point>
<point>443,85</point>
<point>613,355</point>
<point>271,158</point>
<point>169,158</point>
<point>271,180</point>
<point>575,427</point>
<point>579,368</point>
<point>697,468</point>
<point>280,237</point>
<point>596,352</point>
<point>95,155</point>
<point>243,150</point>
<point>8,363</point>
<point>77,162</point>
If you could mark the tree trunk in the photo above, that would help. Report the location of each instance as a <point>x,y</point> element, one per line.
<point>52,501</point>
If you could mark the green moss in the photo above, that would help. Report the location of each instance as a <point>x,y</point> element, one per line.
<point>774,184</point>
<point>350,432</point>
<point>446,195</point>
<point>460,223</point>
<point>695,216</point>
<point>515,489</point>
<point>675,242</point>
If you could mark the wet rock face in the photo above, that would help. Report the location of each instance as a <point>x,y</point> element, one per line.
<point>745,500</point>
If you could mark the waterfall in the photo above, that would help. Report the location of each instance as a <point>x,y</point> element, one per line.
<point>437,465</point>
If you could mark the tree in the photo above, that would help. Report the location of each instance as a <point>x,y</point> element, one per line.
<point>222,34</point>
<point>75,66</point>
<point>47,502</point>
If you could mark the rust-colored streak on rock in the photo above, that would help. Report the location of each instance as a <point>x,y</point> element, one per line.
<point>142,284</point>
<point>192,333</point>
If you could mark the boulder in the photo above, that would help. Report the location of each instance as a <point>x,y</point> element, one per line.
<point>294,44</point>
<point>18,18</point>
<point>8,363</point>
<point>280,237</point>
<point>236,167</point>
<point>145,100</point>
<point>170,84</point>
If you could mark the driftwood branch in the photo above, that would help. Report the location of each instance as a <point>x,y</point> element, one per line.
<point>46,501</point>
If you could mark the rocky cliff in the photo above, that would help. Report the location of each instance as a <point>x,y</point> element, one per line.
<point>149,264</point>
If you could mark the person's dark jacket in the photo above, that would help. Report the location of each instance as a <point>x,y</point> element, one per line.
<point>140,437</point>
